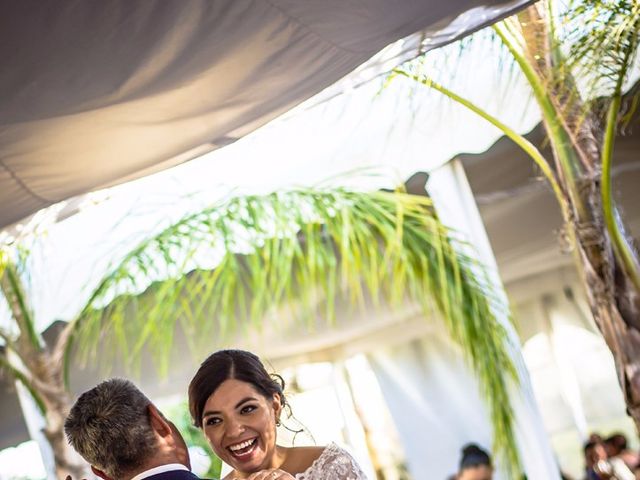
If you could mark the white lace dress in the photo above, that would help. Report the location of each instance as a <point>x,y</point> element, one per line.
<point>334,463</point>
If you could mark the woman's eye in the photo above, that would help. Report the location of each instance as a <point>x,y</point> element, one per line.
<point>211,421</point>
<point>248,409</point>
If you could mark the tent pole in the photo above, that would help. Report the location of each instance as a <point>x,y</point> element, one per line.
<point>453,199</point>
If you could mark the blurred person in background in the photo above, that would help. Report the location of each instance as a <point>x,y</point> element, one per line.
<point>598,465</point>
<point>616,446</point>
<point>475,464</point>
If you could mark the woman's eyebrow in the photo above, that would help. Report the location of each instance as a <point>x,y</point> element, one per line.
<point>240,403</point>
<point>245,400</point>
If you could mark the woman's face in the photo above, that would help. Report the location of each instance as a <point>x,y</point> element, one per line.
<point>481,472</point>
<point>240,424</point>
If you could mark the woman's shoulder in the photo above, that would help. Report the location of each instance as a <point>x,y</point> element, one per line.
<point>331,461</point>
<point>302,458</point>
<point>310,450</point>
<point>314,453</point>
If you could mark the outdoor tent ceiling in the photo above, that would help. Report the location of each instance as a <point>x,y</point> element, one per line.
<point>95,93</point>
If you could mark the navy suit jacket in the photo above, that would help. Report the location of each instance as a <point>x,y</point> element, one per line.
<point>173,475</point>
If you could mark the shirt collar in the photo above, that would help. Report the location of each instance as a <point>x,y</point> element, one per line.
<point>161,469</point>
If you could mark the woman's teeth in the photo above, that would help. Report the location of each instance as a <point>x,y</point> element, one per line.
<point>242,447</point>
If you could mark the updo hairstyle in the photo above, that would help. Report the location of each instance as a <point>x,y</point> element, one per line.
<point>231,364</point>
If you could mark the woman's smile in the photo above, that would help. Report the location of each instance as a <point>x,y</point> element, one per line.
<point>243,450</point>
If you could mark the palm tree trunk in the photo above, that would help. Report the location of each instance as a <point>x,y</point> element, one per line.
<point>46,381</point>
<point>613,298</point>
<point>40,369</point>
<point>576,140</point>
<point>67,461</point>
<point>609,295</point>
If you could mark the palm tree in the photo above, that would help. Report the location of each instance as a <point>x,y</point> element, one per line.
<point>302,248</point>
<point>38,366</point>
<point>576,63</point>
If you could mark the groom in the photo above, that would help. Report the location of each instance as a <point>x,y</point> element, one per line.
<point>117,429</point>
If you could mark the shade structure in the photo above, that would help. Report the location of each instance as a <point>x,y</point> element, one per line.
<point>97,93</point>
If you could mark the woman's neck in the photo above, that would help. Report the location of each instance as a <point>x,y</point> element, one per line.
<point>279,456</point>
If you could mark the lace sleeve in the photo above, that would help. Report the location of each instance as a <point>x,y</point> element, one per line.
<point>334,463</point>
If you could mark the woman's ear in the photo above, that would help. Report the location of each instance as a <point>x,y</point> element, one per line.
<point>277,406</point>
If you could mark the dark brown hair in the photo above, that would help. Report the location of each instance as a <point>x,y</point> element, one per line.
<point>230,364</point>
<point>473,456</point>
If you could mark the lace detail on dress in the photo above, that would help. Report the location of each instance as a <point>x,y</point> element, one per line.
<point>333,463</point>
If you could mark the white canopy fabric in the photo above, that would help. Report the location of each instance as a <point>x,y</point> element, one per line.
<point>97,93</point>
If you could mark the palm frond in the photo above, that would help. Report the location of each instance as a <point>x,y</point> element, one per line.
<point>24,378</point>
<point>228,267</point>
<point>521,141</point>
<point>623,249</point>
<point>12,288</point>
<point>602,36</point>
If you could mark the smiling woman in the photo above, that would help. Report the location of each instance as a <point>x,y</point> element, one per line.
<point>238,406</point>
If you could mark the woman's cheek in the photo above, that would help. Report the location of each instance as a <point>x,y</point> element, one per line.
<point>213,443</point>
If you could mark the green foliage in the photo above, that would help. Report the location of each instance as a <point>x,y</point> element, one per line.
<point>12,288</point>
<point>23,378</point>
<point>193,436</point>
<point>305,249</point>
<point>601,38</point>
<point>570,60</point>
<point>20,338</point>
<point>608,48</point>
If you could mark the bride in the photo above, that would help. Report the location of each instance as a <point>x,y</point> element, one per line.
<point>238,405</point>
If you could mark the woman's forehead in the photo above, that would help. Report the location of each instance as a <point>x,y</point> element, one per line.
<point>233,389</point>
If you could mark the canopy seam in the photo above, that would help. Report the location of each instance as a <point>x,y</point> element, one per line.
<point>24,186</point>
<point>313,32</point>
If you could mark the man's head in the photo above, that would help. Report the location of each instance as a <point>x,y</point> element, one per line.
<point>117,429</point>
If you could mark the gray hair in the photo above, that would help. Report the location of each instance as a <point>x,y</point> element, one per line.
<point>109,427</point>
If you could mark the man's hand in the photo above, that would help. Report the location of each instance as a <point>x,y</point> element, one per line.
<point>603,469</point>
<point>271,474</point>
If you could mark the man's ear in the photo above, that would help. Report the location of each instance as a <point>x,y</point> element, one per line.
<point>100,473</point>
<point>158,422</point>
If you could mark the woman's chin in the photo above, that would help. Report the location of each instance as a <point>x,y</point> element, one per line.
<point>249,462</point>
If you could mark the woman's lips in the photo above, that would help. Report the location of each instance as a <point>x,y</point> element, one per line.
<point>243,450</point>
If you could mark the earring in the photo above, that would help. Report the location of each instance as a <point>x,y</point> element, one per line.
<point>278,423</point>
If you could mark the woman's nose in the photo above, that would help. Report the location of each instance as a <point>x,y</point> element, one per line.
<point>234,428</point>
